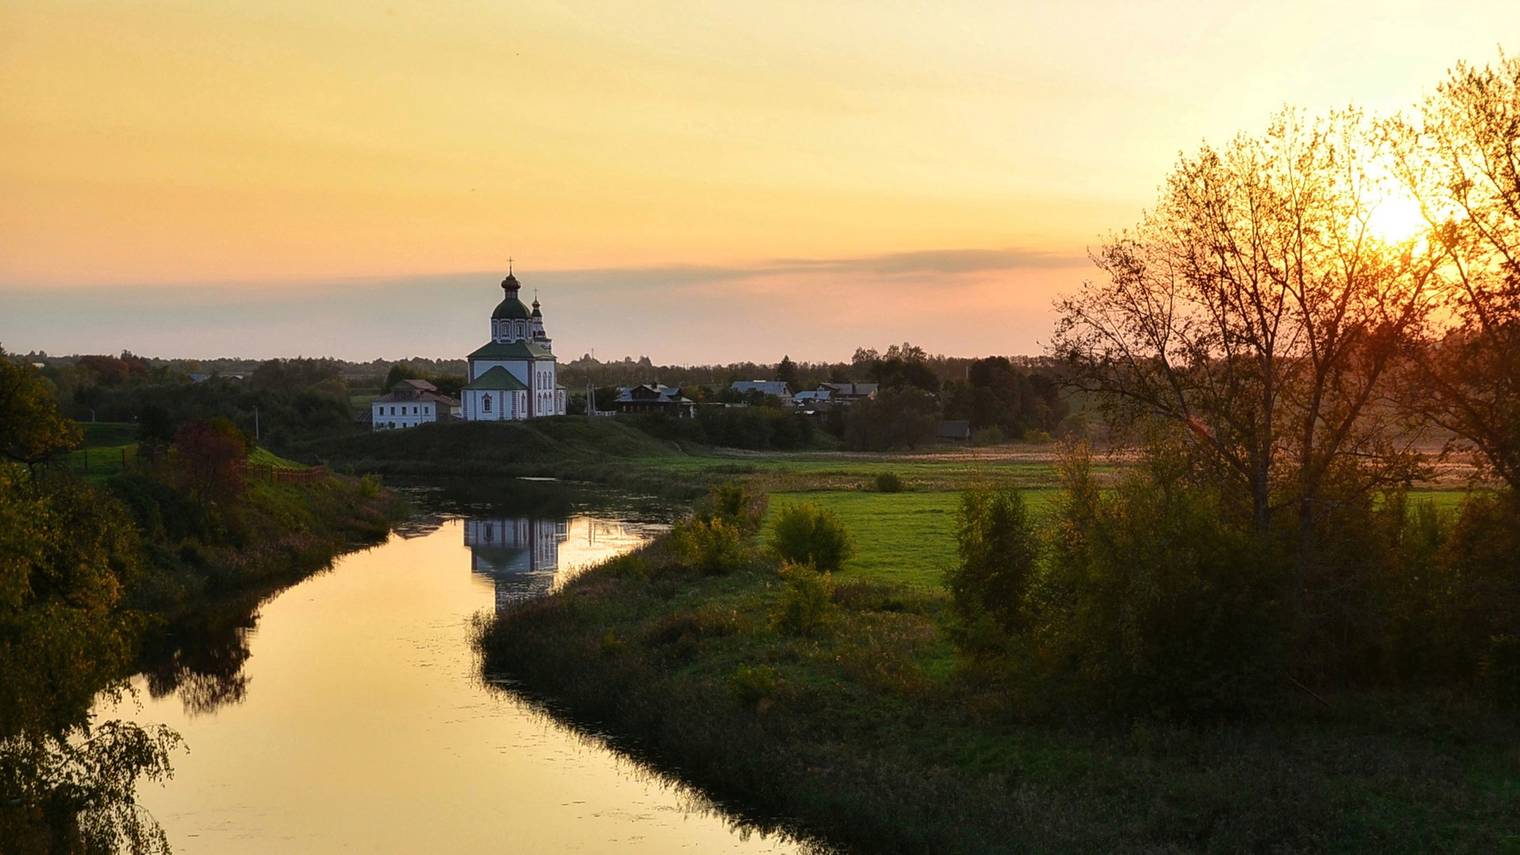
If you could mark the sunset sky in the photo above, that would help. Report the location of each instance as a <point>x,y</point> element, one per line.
<point>702,182</point>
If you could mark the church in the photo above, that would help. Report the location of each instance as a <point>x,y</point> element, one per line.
<point>514,375</point>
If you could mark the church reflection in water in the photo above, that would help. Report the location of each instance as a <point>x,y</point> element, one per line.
<point>525,557</point>
<point>520,555</point>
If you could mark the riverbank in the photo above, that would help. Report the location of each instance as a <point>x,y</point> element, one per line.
<point>869,734</point>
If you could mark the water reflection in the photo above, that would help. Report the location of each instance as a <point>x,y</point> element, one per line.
<point>525,557</point>
<point>348,712</point>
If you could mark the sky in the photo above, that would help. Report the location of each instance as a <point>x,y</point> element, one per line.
<point>696,182</point>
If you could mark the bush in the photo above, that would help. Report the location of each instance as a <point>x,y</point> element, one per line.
<point>989,436</point>
<point>889,482</point>
<point>709,545</point>
<point>733,503</point>
<point>998,548</point>
<point>807,534</point>
<point>807,601</point>
<point>754,685</point>
<point>1152,603</point>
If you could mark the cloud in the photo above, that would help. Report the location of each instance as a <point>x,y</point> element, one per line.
<point>957,301</point>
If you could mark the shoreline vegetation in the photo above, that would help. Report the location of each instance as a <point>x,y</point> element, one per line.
<point>150,565</point>
<point>842,707</point>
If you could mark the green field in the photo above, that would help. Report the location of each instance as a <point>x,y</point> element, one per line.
<point>905,538</point>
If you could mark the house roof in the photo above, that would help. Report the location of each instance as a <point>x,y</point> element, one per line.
<point>511,350</point>
<point>420,385</point>
<point>852,389</point>
<point>769,387</point>
<point>412,398</point>
<point>497,378</point>
<point>653,393</point>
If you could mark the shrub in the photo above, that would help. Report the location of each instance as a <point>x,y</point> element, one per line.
<point>807,534</point>
<point>753,685</point>
<point>369,486</point>
<point>889,482</point>
<point>733,503</point>
<point>807,602</point>
<point>1152,603</point>
<point>709,545</point>
<point>998,548</point>
<point>989,436</point>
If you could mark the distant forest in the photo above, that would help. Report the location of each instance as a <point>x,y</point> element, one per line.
<point>281,401</point>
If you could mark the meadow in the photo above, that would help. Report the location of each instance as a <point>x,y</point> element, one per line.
<point>872,733</point>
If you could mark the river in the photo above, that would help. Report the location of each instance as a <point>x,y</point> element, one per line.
<point>349,713</point>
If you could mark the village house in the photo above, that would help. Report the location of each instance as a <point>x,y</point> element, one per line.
<point>408,404</point>
<point>654,398</point>
<point>769,388</point>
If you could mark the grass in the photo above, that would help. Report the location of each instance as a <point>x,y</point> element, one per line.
<point>261,456</point>
<point>870,737</point>
<point>900,538</point>
<point>109,448</point>
<point>873,736</point>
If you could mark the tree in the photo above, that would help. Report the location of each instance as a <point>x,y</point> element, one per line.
<point>786,372</point>
<point>897,417</point>
<point>998,548</point>
<point>208,458</point>
<point>399,371</point>
<point>1461,160</point>
<point>1256,308</point>
<point>32,429</point>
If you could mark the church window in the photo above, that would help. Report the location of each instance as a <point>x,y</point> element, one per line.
<point>485,403</point>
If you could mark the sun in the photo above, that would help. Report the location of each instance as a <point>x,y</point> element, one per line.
<point>1397,219</point>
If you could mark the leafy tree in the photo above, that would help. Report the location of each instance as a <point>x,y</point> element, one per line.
<point>1255,307</point>
<point>896,418</point>
<point>32,429</point>
<point>67,783</point>
<point>209,457</point>
<point>1459,159</point>
<point>998,549</point>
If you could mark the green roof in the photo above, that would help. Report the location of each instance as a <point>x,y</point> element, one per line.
<point>497,378</point>
<point>512,350</point>
<point>510,308</point>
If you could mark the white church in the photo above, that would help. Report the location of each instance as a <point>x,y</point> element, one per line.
<point>514,375</point>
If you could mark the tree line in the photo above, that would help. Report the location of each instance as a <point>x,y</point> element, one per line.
<point>1287,366</point>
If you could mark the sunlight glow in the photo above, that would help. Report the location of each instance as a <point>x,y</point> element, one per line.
<point>1397,220</point>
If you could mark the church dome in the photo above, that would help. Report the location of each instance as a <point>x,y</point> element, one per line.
<point>510,308</point>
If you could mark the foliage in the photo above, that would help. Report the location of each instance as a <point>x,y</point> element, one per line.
<point>996,396</point>
<point>888,482</point>
<point>1457,158</point>
<point>1254,309</point>
<point>734,503</point>
<point>208,459</point>
<point>66,555</point>
<point>806,606</point>
<point>998,548</point>
<point>1153,603</point>
<point>752,685</point>
<point>900,417</point>
<point>712,546</point>
<point>31,427</point>
<point>804,533</point>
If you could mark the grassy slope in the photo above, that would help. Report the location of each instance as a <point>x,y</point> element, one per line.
<point>871,736</point>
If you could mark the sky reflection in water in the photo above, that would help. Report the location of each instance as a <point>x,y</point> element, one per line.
<point>360,721</point>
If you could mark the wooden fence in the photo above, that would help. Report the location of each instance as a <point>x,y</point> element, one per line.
<point>281,475</point>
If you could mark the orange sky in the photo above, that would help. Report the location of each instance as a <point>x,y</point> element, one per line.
<point>178,178</point>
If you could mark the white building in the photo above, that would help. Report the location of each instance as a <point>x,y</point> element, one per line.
<point>515,375</point>
<point>408,404</point>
